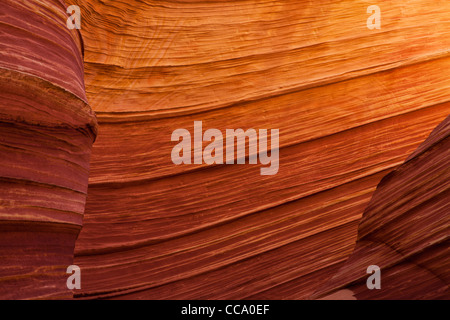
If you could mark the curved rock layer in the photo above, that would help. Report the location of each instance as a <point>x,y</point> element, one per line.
<point>46,133</point>
<point>350,103</point>
<point>404,231</point>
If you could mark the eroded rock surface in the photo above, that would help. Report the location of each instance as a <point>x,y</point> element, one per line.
<point>405,230</point>
<point>46,133</point>
<point>351,104</point>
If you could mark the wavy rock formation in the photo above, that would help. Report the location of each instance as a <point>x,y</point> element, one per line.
<point>404,231</point>
<point>350,103</point>
<point>46,133</point>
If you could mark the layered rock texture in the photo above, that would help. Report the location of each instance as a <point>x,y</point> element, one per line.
<point>351,104</point>
<point>46,133</point>
<point>404,231</point>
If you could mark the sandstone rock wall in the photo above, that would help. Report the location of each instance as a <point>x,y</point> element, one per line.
<point>404,231</point>
<point>350,103</point>
<point>46,133</point>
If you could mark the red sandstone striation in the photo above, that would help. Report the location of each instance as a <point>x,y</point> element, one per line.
<point>404,231</point>
<point>46,133</point>
<point>351,105</point>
